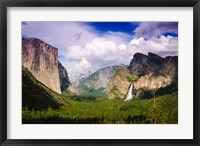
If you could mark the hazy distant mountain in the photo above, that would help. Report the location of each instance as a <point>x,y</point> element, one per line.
<point>76,77</point>
<point>97,82</point>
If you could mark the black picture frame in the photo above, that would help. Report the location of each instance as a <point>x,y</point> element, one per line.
<point>4,4</point>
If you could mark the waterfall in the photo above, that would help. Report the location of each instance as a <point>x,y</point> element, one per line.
<point>129,95</point>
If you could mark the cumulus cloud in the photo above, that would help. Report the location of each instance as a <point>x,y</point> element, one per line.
<point>82,48</point>
<point>62,35</point>
<point>99,53</point>
<point>163,46</point>
<point>152,29</point>
<point>119,37</point>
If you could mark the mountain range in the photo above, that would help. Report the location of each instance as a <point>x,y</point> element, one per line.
<point>146,73</point>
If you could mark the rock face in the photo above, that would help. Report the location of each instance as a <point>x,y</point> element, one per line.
<point>63,76</point>
<point>152,82</point>
<point>165,75</point>
<point>142,64</point>
<point>170,67</point>
<point>147,73</point>
<point>41,59</point>
<point>120,83</point>
<point>36,95</point>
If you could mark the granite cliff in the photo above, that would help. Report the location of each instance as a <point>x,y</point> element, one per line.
<point>161,76</point>
<point>41,59</point>
<point>63,77</point>
<point>147,73</point>
<point>142,64</point>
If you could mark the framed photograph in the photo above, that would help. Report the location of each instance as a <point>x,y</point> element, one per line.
<point>99,72</point>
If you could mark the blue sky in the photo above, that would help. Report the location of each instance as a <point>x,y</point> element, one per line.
<point>124,27</point>
<point>88,46</point>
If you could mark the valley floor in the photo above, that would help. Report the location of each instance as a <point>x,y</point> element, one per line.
<point>105,111</point>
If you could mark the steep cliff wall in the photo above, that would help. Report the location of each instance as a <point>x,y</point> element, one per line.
<point>142,64</point>
<point>41,59</point>
<point>64,79</point>
<point>147,73</point>
<point>164,76</point>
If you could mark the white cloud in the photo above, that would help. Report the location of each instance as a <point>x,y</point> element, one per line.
<point>83,48</point>
<point>162,46</point>
<point>122,47</point>
<point>119,37</point>
<point>85,63</point>
<point>101,52</point>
